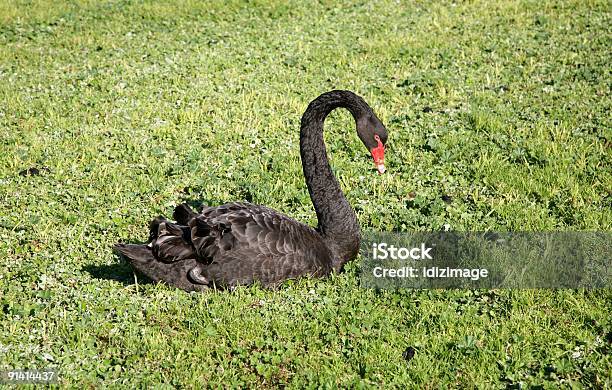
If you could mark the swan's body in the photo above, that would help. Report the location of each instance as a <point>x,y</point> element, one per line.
<point>239,243</point>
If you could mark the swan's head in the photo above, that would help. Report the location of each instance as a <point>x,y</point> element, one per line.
<point>373,134</point>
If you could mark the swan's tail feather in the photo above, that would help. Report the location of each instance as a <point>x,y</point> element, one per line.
<point>183,214</point>
<point>175,274</point>
<point>140,257</point>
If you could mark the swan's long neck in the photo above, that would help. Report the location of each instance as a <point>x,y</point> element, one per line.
<point>337,221</point>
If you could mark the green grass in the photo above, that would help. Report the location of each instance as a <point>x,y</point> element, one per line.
<point>499,119</point>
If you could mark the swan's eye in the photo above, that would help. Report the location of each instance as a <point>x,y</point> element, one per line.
<point>378,154</point>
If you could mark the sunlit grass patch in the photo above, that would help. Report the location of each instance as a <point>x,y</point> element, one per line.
<point>498,115</point>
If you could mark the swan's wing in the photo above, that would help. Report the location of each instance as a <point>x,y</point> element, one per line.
<point>233,268</point>
<point>241,242</point>
<point>241,225</point>
<point>228,245</point>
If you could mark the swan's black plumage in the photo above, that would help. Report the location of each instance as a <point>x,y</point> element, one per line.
<point>239,243</point>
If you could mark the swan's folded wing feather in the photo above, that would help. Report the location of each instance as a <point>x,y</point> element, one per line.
<point>173,243</point>
<point>243,267</point>
<point>242,242</point>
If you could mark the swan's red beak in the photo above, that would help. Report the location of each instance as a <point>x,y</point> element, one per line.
<point>378,154</point>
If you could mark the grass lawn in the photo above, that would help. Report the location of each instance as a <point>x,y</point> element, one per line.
<point>499,119</point>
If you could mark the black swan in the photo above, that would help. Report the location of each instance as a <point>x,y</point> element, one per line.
<point>239,243</point>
